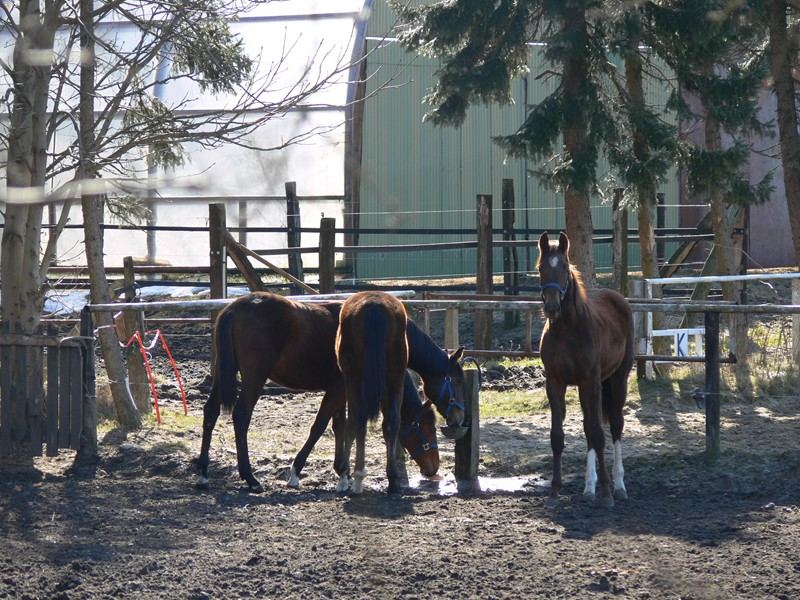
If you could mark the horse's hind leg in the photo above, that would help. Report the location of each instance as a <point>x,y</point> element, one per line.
<point>242,413</point>
<point>360,471</point>
<point>210,416</point>
<point>591,405</point>
<point>330,403</point>
<point>391,428</point>
<point>614,391</point>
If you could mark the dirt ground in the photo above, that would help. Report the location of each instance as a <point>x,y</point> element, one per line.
<point>134,526</point>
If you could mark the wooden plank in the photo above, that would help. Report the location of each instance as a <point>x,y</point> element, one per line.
<point>5,399</point>
<point>63,398</point>
<point>7,339</point>
<point>239,258</point>
<point>75,398</point>
<point>51,435</point>
<point>467,449</point>
<point>35,399</point>
<point>217,254</point>
<point>796,322</point>
<point>19,419</point>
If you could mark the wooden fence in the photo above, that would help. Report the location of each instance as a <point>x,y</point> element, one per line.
<point>46,394</point>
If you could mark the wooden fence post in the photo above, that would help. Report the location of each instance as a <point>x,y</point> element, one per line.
<point>218,254</point>
<point>796,322</point>
<point>327,255</point>
<point>484,280</point>
<point>133,321</point>
<point>510,259</point>
<point>293,234</point>
<point>242,237</point>
<point>451,328</point>
<point>619,220</point>
<point>712,385</point>
<point>467,449</point>
<point>640,341</point>
<point>87,445</point>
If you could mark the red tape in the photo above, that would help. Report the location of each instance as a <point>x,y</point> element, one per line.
<point>143,349</point>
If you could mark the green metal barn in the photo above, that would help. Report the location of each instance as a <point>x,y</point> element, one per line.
<point>415,175</point>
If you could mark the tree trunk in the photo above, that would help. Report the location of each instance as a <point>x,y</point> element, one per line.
<point>780,59</point>
<point>645,190</point>
<point>578,216</point>
<point>92,205</point>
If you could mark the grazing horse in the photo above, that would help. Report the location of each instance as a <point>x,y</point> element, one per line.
<point>263,336</point>
<point>372,352</point>
<point>443,384</point>
<point>587,341</point>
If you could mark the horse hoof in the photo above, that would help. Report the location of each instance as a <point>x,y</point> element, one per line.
<point>357,488</point>
<point>343,485</point>
<point>201,483</point>
<point>620,494</point>
<point>604,502</point>
<point>394,488</point>
<point>256,488</point>
<point>294,480</point>
<point>551,502</point>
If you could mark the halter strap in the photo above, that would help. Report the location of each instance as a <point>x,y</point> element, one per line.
<point>447,392</point>
<point>422,446</point>
<point>553,285</point>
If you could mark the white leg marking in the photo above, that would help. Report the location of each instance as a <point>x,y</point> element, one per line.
<point>202,481</point>
<point>358,482</point>
<point>591,473</point>
<point>294,480</point>
<point>618,471</point>
<point>344,483</point>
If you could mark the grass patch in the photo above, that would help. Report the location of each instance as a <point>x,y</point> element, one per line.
<point>519,403</point>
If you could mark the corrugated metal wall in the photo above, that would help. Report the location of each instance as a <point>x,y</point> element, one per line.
<point>415,175</point>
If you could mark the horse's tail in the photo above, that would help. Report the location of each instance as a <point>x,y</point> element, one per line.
<point>225,375</point>
<point>373,376</point>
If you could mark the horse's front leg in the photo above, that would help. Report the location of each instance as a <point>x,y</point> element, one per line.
<point>591,405</point>
<point>332,401</point>
<point>558,410</point>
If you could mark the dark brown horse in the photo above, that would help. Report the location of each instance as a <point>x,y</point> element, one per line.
<point>372,351</point>
<point>264,336</point>
<point>588,342</point>
<point>443,383</point>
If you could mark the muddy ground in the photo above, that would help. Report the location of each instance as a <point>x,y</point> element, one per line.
<point>134,526</point>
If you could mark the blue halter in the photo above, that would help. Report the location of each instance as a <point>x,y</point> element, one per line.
<point>553,285</point>
<point>422,446</point>
<point>448,392</point>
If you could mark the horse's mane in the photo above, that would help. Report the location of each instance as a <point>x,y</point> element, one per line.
<point>425,351</point>
<point>581,298</point>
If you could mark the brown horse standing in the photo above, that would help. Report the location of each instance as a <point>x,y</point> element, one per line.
<point>372,351</point>
<point>587,341</point>
<point>262,336</point>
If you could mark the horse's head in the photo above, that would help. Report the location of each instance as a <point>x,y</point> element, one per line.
<point>419,439</point>
<point>554,273</point>
<point>446,390</point>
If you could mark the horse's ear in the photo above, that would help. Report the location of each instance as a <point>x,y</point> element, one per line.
<point>563,243</point>
<point>456,356</point>
<point>544,244</point>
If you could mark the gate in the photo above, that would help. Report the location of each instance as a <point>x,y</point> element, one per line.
<point>43,383</point>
